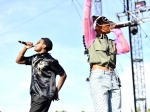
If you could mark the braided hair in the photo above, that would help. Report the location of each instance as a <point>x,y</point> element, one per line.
<point>86,52</point>
<point>94,18</point>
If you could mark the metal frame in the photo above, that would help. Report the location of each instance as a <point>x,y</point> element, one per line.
<point>98,7</point>
<point>141,15</point>
<point>136,16</point>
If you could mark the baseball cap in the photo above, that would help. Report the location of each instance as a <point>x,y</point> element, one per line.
<point>101,20</point>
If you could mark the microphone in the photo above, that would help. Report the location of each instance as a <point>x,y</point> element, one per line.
<point>22,42</point>
<point>121,25</point>
<point>129,23</point>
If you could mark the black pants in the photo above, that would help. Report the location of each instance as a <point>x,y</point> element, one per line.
<point>39,104</point>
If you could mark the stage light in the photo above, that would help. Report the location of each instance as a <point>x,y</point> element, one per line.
<point>134,29</point>
<point>140,4</point>
<point>97,0</point>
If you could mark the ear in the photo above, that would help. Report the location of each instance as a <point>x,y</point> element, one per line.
<point>44,46</point>
<point>99,29</point>
<point>96,28</point>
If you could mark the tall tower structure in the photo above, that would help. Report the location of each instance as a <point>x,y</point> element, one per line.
<point>136,12</point>
<point>98,7</point>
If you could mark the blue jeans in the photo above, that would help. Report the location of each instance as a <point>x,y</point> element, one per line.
<point>105,91</point>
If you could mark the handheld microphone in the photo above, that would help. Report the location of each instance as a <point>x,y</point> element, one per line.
<point>129,23</point>
<point>121,25</point>
<point>22,42</point>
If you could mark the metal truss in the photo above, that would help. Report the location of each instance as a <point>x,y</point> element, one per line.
<point>140,15</point>
<point>98,7</point>
<point>137,16</point>
<point>138,68</point>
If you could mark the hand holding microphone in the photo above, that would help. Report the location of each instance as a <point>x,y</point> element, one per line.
<point>27,44</point>
<point>120,25</point>
<point>115,27</point>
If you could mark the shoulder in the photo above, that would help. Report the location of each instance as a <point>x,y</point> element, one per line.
<point>30,57</point>
<point>50,58</point>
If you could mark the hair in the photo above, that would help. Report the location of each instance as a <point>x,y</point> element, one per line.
<point>48,43</point>
<point>101,20</point>
<point>94,17</point>
<point>86,52</point>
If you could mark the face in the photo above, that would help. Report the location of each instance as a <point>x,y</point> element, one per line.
<point>39,46</point>
<point>105,29</point>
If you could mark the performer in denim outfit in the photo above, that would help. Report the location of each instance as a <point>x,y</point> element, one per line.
<point>102,51</point>
<point>44,70</point>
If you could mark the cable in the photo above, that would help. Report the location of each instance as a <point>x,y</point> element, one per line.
<point>121,2</point>
<point>116,3</point>
<point>145,33</point>
<point>147,44</point>
<point>79,4</point>
<point>145,36</point>
<point>107,9</point>
<point>125,8</point>
<point>33,18</point>
<point>120,66</point>
<point>77,10</point>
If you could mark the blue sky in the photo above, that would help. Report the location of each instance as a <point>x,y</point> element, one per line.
<point>29,20</point>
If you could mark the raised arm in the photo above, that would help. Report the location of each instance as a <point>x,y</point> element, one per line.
<point>122,45</point>
<point>20,58</point>
<point>89,33</point>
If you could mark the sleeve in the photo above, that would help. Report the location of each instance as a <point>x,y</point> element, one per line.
<point>88,30</point>
<point>28,60</point>
<point>57,67</point>
<point>122,45</point>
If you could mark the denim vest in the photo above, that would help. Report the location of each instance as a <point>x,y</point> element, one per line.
<point>103,52</point>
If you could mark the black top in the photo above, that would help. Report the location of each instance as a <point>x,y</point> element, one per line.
<point>44,71</point>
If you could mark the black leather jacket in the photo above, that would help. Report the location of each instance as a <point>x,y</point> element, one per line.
<point>44,71</point>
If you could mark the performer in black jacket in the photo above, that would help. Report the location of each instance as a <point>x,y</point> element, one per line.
<point>44,70</point>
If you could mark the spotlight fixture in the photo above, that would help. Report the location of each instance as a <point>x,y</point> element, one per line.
<point>134,29</point>
<point>140,4</point>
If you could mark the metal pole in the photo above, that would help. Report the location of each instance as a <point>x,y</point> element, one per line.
<point>124,4</point>
<point>132,68</point>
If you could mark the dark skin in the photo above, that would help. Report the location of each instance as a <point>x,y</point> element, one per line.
<point>104,29</point>
<point>40,47</point>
